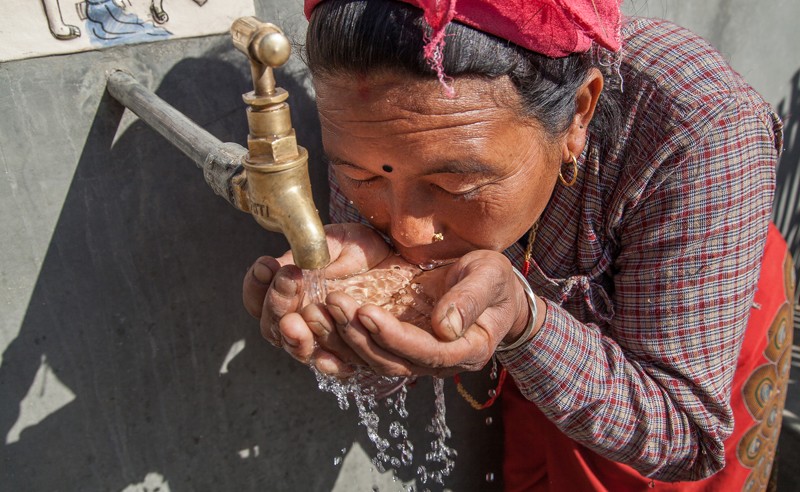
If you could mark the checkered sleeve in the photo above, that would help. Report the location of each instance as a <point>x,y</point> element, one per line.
<point>651,388</point>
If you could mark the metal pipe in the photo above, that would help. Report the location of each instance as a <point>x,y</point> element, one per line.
<point>269,181</point>
<point>221,162</point>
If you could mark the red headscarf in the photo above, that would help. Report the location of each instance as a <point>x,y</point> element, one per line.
<point>554,28</point>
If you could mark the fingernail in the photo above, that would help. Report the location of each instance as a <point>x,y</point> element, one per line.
<point>368,323</point>
<point>326,366</point>
<point>290,341</point>
<point>337,314</point>
<point>262,273</point>
<point>320,329</point>
<point>286,286</point>
<point>453,320</point>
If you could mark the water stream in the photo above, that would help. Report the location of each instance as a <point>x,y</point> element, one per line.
<point>314,282</point>
<point>394,449</point>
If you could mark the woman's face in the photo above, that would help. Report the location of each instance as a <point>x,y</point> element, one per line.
<point>417,163</point>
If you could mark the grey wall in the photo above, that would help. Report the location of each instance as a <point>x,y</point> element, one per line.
<point>121,294</point>
<point>762,42</point>
<point>120,278</point>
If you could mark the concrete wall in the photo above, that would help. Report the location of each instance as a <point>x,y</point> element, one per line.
<point>127,359</point>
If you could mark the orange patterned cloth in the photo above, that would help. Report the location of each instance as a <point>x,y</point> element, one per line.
<point>539,457</point>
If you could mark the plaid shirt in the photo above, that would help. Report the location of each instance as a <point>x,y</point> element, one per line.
<point>648,264</point>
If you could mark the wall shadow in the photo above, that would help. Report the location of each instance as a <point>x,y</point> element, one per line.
<point>137,303</point>
<point>135,308</point>
<point>786,214</point>
<point>786,209</point>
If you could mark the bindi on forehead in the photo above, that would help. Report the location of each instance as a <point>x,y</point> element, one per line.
<point>387,168</point>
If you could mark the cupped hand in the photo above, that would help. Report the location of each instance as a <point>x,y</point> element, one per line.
<point>480,302</point>
<point>273,291</point>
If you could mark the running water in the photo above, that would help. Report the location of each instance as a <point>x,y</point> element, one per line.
<point>407,301</point>
<point>441,454</point>
<point>314,281</point>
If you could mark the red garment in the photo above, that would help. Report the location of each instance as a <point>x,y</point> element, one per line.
<point>551,27</point>
<point>539,457</point>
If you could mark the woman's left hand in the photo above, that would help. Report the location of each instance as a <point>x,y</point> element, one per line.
<point>481,304</point>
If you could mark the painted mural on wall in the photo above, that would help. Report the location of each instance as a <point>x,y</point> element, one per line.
<point>47,27</point>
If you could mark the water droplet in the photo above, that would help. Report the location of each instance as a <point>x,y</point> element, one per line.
<point>395,429</point>
<point>337,461</point>
<point>429,265</point>
<point>490,477</point>
<point>422,473</point>
<point>489,421</point>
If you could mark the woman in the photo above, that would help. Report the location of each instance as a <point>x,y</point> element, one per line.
<point>622,165</point>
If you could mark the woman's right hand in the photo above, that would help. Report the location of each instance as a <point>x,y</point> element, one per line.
<point>273,291</point>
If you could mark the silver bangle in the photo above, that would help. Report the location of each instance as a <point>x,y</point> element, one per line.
<point>534,312</point>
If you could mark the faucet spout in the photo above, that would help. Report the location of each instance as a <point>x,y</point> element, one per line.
<point>275,186</point>
<point>279,198</point>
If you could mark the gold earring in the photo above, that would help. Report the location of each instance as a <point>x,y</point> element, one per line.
<point>571,182</point>
<point>437,237</point>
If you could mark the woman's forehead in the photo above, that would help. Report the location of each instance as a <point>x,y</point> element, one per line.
<point>404,93</point>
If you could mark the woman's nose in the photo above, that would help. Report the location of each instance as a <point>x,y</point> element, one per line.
<point>411,231</point>
<point>411,224</point>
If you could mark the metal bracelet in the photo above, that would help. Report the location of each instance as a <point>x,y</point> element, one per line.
<point>502,347</point>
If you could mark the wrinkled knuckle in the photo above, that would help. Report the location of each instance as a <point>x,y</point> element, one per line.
<point>442,360</point>
<point>268,330</point>
<point>481,356</point>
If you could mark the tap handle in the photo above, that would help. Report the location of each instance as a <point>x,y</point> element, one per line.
<point>266,46</point>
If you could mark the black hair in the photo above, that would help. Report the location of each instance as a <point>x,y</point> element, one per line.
<point>358,36</point>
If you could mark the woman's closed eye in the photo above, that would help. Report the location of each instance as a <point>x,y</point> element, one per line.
<point>354,175</point>
<point>463,189</point>
<point>358,183</point>
<point>357,178</point>
<point>465,193</point>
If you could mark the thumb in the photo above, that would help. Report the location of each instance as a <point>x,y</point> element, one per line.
<point>472,290</point>
<point>354,248</point>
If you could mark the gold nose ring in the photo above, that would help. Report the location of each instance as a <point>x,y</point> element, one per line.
<point>437,237</point>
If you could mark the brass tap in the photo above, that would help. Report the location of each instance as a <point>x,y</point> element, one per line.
<point>274,186</point>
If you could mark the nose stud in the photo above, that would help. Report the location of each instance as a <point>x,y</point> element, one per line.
<point>437,237</point>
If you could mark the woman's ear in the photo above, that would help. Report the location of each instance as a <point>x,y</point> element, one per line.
<point>585,103</point>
